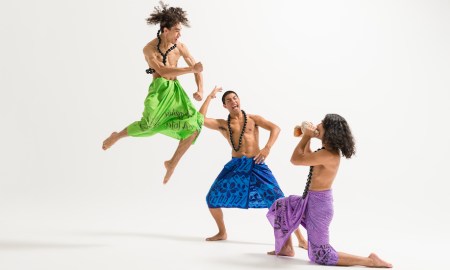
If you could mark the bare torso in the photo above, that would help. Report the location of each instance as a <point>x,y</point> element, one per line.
<point>151,50</point>
<point>323,175</point>
<point>250,139</point>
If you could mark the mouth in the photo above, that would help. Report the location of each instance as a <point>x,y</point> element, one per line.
<point>234,107</point>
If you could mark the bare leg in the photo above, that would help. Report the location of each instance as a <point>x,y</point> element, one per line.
<point>301,240</point>
<point>218,217</point>
<point>372,261</point>
<point>113,138</point>
<point>183,146</point>
<point>286,250</point>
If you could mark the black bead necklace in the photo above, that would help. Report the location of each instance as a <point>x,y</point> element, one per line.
<point>242,132</point>
<point>164,55</point>
<point>308,182</point>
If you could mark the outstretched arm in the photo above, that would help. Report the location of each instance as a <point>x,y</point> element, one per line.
<point>198,76</point>
<point>274,132</point>
<point>166,71</point>
<point>209,122</point>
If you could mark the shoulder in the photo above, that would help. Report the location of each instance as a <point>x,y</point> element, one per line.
<point>329,155</point>
<point>258,119</point>
<point>149,48</point>
<point>223,124</point>
<point>182,48</point>
<point>253,116</point>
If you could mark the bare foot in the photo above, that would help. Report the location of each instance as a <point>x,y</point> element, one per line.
<point>170,169</point>
<point>377,262</point>
<point>110,141</point>
<point>288,252</point>
<point>218,237</point>
<point>303,244</point>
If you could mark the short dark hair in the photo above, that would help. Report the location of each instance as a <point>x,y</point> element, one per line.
<point>167,16</point>
<point>338,136</point>
<point>226,94</point>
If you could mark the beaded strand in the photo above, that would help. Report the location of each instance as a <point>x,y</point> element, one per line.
<point>242,132</point>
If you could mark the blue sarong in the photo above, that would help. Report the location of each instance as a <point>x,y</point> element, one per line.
<point>244,184</point>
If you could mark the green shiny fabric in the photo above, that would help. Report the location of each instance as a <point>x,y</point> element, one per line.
<point>169,111</point>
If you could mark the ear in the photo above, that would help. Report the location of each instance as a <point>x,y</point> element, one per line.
<point>224,106</point>
<point>165,30</point>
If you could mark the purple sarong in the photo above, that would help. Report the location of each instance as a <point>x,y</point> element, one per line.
<point>315,213</point>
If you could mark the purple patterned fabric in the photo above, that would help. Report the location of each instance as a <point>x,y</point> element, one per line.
<point>285,215</point>
<point>315,213</point>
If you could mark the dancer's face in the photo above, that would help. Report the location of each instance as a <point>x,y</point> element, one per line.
<point>173,34</point>
<point>232,103</point>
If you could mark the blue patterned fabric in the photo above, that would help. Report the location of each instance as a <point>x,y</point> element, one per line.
<point>244,184</point>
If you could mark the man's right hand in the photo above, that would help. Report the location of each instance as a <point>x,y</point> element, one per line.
<point>214,91</point>
<point>198,67</point>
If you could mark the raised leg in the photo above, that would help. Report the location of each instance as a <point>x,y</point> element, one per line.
<point>171,164</point>
<point>113,138</point>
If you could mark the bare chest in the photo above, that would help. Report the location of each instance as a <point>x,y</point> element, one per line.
<point>236,131</point>
<point>170,58</point>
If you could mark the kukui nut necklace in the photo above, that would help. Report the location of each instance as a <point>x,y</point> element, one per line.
<point>164,55</point>
<point>242,132</point>
<point>308,182</point>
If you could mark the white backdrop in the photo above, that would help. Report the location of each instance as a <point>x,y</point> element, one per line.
<point>73,71</point>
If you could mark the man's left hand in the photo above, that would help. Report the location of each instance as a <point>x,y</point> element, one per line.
<point>261,157</point>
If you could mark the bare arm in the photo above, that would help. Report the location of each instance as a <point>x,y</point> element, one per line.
<point>198,76</point>
<point>166,71</point>
<point>303,155</point>
<point>311,159</point>
<point>210,122</point>
<point>274,132</point>
<point>307,148</point>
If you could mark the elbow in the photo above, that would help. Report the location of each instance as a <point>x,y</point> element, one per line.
<point>293,161</point>
<point>277,129</point>
<point>296,161</point>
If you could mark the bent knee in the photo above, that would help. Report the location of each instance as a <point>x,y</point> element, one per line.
<point>322,254</point>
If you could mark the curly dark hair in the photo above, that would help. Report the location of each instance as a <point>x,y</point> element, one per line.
<point>338,136</point>
<point>167,16</point>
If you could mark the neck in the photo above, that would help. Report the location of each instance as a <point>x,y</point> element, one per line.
<point>235,114</point>
<point>164,44</point>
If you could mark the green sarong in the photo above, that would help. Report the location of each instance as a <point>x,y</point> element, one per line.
<point>169,111</point>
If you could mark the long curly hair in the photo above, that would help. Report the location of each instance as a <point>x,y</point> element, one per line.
<point>167,16</point>
<point>338,136</point>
